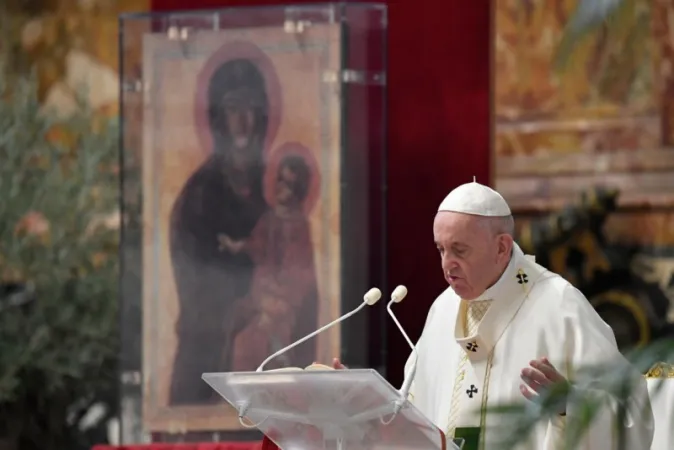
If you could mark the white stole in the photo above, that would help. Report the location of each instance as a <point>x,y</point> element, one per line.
<point>506,295</point>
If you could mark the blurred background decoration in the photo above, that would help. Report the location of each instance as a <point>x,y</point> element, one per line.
<point>59,197</point>
<point>69,43</point>
<point>58,274</point>
<point>617,280</point>
<point>583,150</point>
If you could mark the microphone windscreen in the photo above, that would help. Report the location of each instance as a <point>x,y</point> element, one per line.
<point>372,296</point>
<point>399,294</point>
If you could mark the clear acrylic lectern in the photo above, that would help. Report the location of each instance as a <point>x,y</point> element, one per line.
<point>327,409</point>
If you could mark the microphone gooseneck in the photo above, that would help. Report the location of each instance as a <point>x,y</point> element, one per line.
<point>399,293</point>
<point>370,298</point>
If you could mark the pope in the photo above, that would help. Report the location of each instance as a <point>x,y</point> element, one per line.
<point>504,331</point>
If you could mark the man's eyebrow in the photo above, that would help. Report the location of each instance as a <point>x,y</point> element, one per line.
<point>454,244</point>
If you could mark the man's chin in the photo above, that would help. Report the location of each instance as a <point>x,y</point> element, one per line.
<point>464,293</point>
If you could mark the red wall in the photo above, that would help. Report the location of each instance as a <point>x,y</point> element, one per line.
<point>439,134</point>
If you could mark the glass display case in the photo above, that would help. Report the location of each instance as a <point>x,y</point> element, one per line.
<point>253,181</point>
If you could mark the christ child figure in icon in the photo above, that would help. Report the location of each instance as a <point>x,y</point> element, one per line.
<point>284,276</point>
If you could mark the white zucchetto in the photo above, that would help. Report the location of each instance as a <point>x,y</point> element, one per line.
<point>476,199</point>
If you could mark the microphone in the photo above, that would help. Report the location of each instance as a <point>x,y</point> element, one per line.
<point>399,293</point>
<point>370,298</point>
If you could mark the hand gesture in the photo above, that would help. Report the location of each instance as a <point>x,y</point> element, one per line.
<point>337,364</point>
<point>224,242</point>
<point>227,243</point>
<point>538,377</point>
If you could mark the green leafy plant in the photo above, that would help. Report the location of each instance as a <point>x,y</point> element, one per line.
<point>58,272</point>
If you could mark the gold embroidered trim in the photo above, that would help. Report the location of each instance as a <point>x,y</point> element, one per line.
<point>483,407</point>
<point>661,370</point>
<point>490,360</point>
<point>455,403</point>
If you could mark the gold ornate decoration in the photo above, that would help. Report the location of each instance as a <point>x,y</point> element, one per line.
<point>589,246</point>
<point>630,303</point>
<point>661,370</point>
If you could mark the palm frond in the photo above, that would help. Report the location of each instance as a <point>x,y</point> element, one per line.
<point>587,17</point>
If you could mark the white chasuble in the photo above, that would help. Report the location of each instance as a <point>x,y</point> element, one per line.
<point>532,313</point>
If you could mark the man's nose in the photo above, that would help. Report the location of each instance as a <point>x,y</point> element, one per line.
<point>448,264</point>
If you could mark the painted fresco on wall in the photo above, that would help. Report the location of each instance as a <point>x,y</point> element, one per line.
<point>601,101</point>
<point>610,75</point>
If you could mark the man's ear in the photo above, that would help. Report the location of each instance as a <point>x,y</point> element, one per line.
<point>505,246</point>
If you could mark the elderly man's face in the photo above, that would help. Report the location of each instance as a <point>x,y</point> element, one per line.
<point>472,254</point>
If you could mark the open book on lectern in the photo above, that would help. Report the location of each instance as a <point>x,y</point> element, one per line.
<point>322,408</point>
